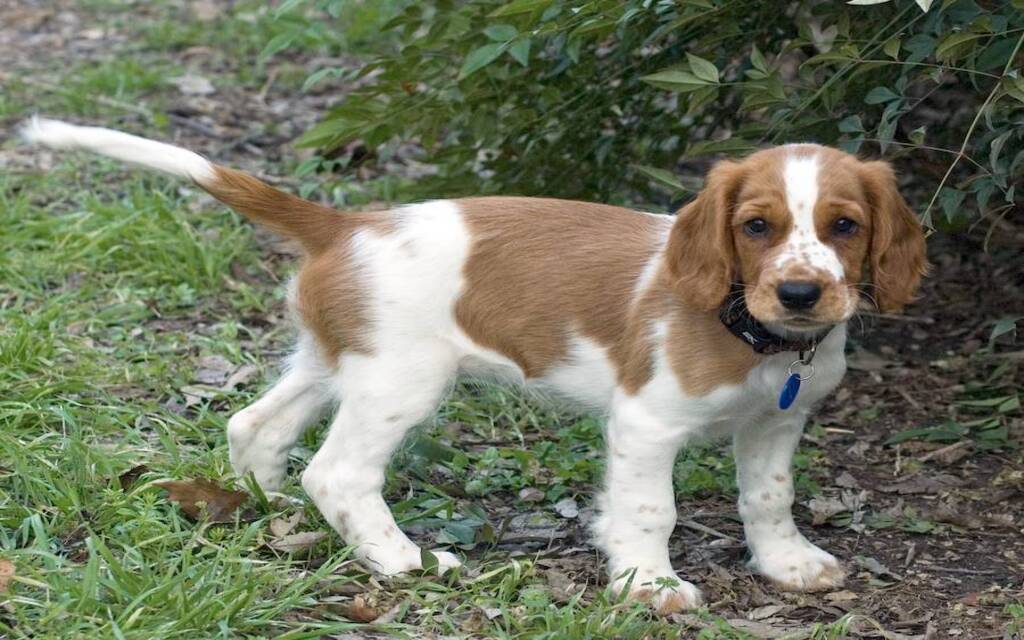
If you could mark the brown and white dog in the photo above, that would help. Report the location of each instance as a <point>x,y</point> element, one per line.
<point>677,329</point>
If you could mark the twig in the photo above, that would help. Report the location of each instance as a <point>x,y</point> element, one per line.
<point>908,397</point>
<point>696,526</point>
<point>271,77</point>
<point>977,572</point>
<point>1009,355</point>
<point>944,450</point>
<point>844,432</point>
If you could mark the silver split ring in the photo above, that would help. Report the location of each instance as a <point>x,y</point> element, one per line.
<point>808,367</point>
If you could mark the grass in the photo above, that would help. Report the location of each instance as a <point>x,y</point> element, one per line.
<point>114,287</point>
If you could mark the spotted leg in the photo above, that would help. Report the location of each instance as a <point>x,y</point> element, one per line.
<point>638,509</point>
<point>260,435</point>
<point>764,455</point>
<point>382,398</point>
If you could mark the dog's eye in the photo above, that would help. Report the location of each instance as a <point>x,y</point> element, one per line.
<point>756,228</point>
<point>844,227</point>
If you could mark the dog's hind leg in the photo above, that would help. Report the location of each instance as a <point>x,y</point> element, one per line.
<point>260,435</point>
<point>382,397</point>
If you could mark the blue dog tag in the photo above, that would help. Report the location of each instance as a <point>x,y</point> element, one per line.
<point>789,391</point>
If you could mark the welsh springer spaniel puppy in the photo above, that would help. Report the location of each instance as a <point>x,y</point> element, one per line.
<point>728,319</point>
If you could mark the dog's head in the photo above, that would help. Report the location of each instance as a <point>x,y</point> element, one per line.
<point>809,232</point>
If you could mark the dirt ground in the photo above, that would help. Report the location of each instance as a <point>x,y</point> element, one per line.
<point>932,532</point>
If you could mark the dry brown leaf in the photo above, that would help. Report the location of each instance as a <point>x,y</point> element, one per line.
<point>192,84</point>
<point>531,494</point>
<point>847,481</point>
<point>195,394</point>
<point>924,484</point>
<point>360,610</point>
<point>766,611</point>
<point>129,477</point>
<point>841,596</point>
<point>298,542</point>
<point>201,497</point>
<point>213,369</point>
<point>6,574</point>
<point>243,375</point>
<point>281,527</point>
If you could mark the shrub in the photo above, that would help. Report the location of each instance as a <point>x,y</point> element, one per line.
<point>604,100</point>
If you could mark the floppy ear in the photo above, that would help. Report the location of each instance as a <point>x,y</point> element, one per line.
<point>700,251</point>
<point>897,254</point>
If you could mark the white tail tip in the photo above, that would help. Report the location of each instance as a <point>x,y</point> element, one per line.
<point>57,134</point>
<point>49,133</point>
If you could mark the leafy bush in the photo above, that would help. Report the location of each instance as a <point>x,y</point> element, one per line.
<point>606,100</point>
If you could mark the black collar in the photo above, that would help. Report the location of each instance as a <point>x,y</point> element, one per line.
<point>738,320</point>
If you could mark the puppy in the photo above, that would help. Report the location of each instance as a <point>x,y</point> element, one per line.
<point>728,319</point>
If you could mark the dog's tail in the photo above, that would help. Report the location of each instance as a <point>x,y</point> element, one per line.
<point>313,225</point>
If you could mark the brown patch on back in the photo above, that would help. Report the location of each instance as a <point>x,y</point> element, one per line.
<point>539,269</point>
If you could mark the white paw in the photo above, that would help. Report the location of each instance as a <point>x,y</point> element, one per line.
<point>800,566</point>
<point>666,594</point>
<point>247,453</point>
<point>406,561</point>
<point>446,561</point>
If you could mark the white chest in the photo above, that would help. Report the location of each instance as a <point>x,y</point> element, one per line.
<point>730,407</point>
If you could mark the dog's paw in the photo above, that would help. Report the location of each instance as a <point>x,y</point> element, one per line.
<point>248,452</point>
<point>396,564</point>
<point>800,567</point>
<point>666,594</point>
<point>446,561</point>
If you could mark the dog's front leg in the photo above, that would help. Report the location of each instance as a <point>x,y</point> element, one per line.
<point>764,454</point>
<point>639,511</point>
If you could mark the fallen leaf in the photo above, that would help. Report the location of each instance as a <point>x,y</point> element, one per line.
<point>531,494</point>
<point>757,629</point>
<point>242,375</point>
<point>388,616</point>
<point>567,508</point>
<point>924,484</point>
<point>6,574</point>
<point>847,481</point>
<point>298,542</point>
<point>196,394</point>
<point>767,611</point>
<point>201,497</point>
<point>193,85</point>
<point>129,477</point>
<point>281,527</point>
<point>360,610</point>
<point>563,588</point>
<point>841,596</point>
<point>875,567</point>
<point>491,612</point>
<point>213,369</point>
<point>824,507</point>
<point>536,526</point>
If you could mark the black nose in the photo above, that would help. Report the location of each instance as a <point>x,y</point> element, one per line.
<point>795,294</point>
